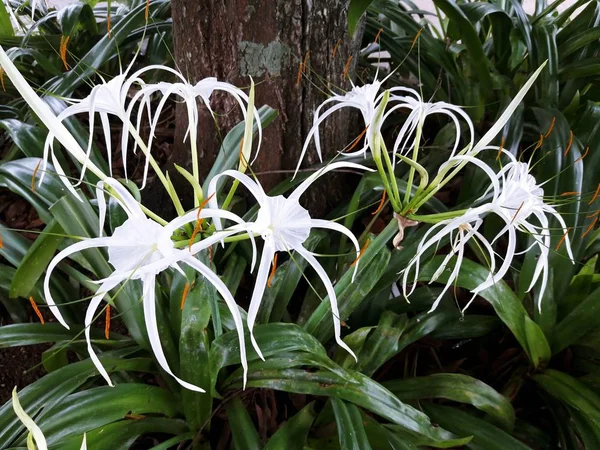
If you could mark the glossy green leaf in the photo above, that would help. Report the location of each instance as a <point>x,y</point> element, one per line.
<point>245,436</point>
<point>350,295</point>
<point>17,335</point>
<point>52,388</point>
<point>273,339</point>
<point>352,387</point>
<point>351,432</point>
<point>194,351</point>
<point>28,138</point>
<point>581,320</point>
<point>459,388</point>
<point>6,28</point>
<point>36,260</point>
<point>572,392</point>
<point>85,411</point>
<point>504,301</point>
<point>355,12</point>
<point>292,434</point>
<point>485,435</point>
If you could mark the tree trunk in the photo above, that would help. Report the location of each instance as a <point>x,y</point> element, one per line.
<point>267,40</point>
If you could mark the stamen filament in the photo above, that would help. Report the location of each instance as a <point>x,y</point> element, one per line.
<point>415,39</point>
<point>540,142</point>
<point>199,221</point>
<point>273,269</point>
<point>517,213</point>
<point>37,310</point>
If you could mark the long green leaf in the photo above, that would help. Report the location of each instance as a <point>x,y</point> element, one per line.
<point>459,388</point>
<point>245,436</point>
<point>292,434</point>
<point>351,432</point>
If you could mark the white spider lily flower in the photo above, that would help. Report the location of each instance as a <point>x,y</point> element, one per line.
<point>284,226</point>
<point>140,249</point>
<point>108,98</point>
<point>47,116</point>
<point>420,110</point>
<point>190,93</point>
<point>519,200</point>
<point>371,103</point>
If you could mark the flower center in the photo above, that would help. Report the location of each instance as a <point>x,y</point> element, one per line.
<point>139,242</point>
<point>283,223</point>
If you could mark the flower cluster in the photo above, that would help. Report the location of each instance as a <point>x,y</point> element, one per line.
<point>143,246</point>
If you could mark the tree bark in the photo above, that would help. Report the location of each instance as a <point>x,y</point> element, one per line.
<point>266,39</point>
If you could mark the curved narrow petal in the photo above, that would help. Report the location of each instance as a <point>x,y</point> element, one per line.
<point>149,303</point>
<point>329,225</point>
<point>259,289</point>
<point>483,166</point>
<point>255,189</point>
<point>31,426</point>
<point>107,140</point>
<point>90,313</point>
<point>231,304</point>
<point>330,293</point>
<point>129,204</point>
<point>77,247</point>
<point>322,171</point>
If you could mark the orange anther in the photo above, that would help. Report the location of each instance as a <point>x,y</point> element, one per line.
<point>377,35</point>
<point>550,128</point>
<point>357,139</point>
<point>147,12</point>
<point>37,310</point>
<point>1,242</point>
<point>590,227</point>
<point>540,142</point>
<point>2,79</point>
<point>566,194</point>
<point>335,48</point>
<point>108,22</point>
<point>416,38</point>
<point>199,221</point>
<point>380,206</point>
<point>500,149</point>
<point>64,41</point>
<point>593,214</point>
<point>347,67</point>
<point>273,269</point>
<point>362,251</point>
<point>107,323</point>
<point>562,239</point>
<point>595,196</point>
<point>569,144</point>
<point>300,70</point>
<point>587,149</point>
<point>35,171</point>
<point>186,289</point>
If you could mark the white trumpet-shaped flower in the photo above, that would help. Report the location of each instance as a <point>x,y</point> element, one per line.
<point>284,225</point>
<point>517,202</point>
<point>140,249</point>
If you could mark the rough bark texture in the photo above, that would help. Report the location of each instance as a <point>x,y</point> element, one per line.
<point>266,39</point>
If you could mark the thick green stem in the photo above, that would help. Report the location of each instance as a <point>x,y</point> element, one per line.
<point>390,168</point>
<point>435,218</point>
<point>195,166</point>
<point>386,184</point>
<point>411,174</point>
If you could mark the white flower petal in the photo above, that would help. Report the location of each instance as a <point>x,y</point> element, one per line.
<point>31,426</point>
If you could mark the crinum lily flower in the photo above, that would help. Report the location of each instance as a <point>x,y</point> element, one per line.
<point>140,249</point>
<point>284,225</point>
<point>35,433</point>
<point>372,103</point>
